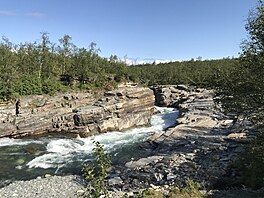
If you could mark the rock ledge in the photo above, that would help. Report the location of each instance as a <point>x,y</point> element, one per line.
<point>78,114</point>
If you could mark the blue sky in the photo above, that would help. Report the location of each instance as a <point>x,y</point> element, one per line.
<point>140,29</point>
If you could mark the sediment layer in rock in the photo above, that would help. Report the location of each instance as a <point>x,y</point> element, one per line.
<point>78,114</point>
<point>199,147</point>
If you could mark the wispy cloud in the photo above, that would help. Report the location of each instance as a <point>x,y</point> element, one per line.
<point>13,13</point>
<point>7,13</point>
<point>35,14</point>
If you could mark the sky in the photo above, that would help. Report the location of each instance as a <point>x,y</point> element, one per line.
<point>135,29</point>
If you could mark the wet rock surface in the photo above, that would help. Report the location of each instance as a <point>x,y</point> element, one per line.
<point>78,114</point>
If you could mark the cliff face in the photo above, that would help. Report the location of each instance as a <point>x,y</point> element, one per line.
<point>170,95</point>
<point>78,114</point>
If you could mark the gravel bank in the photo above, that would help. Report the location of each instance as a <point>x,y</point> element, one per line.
<point>53,186</point>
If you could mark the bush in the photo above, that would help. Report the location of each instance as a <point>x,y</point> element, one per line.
<point>5,93</point>
<point>190,190</point>
<point>96,172</point>
<point>28,86</point>
<point>51,87</point>
<point>251,163</point>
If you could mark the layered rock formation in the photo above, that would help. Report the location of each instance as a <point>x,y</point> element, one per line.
<point>170,95</point>
<point>201,146</point>
<point>80,114</point>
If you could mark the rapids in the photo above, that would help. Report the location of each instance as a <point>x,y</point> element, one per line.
<point>22,159</point>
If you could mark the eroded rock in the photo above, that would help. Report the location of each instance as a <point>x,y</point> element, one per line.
<point>79,114</point>
<point>201,146</point>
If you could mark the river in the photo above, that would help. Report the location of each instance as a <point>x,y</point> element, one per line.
<point>23,159</point>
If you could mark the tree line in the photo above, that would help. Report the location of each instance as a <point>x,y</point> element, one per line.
<point>207,73</point>
<point>45,68</point>
<point>37,68</point>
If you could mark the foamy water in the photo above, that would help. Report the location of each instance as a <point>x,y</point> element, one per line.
<point>57,154</point>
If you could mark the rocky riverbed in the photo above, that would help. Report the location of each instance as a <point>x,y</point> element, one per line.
<point>201,147</point>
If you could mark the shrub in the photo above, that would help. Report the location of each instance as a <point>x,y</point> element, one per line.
<point>252,163</point>
<point>96,172</point>
<point>51,87</point>
<point>27,86</point>
<point>190,190</point>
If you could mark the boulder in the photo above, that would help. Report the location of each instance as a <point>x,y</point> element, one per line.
<point>115,181</point>
<point>237,135</point>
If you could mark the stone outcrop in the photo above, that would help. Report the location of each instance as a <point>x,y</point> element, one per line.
<point>170,95</point>
<point>80,114</point>
<point>201,146</point>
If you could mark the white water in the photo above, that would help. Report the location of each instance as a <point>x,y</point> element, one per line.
<point>16,142</point>
<point>60,153</point>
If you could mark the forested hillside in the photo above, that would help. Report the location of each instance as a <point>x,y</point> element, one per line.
<point>39,67</point>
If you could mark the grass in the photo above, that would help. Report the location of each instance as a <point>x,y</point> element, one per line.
<point>190,190</point>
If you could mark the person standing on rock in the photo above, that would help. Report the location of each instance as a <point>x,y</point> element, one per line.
<point>18,105</point>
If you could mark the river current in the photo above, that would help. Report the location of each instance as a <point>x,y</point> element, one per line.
<point>22,159</point>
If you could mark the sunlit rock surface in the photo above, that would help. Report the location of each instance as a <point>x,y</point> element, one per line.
<point>79,114</point>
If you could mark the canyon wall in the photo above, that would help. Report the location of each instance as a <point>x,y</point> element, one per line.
<point>78,114</point>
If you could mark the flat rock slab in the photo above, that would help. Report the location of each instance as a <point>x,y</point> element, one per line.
<point>143,162</point>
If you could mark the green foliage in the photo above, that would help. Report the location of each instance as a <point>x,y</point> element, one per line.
<point>28,86</point>
<point>243,94</point>
<point>208,73</point>
<point>36,68</point>
<point>151,193</point>
<point>5,92</point>
<point>51,87</point>
<point>96,172</point>
<point>190,190</point>
<point>251,164</point>
<point>34,86</point>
